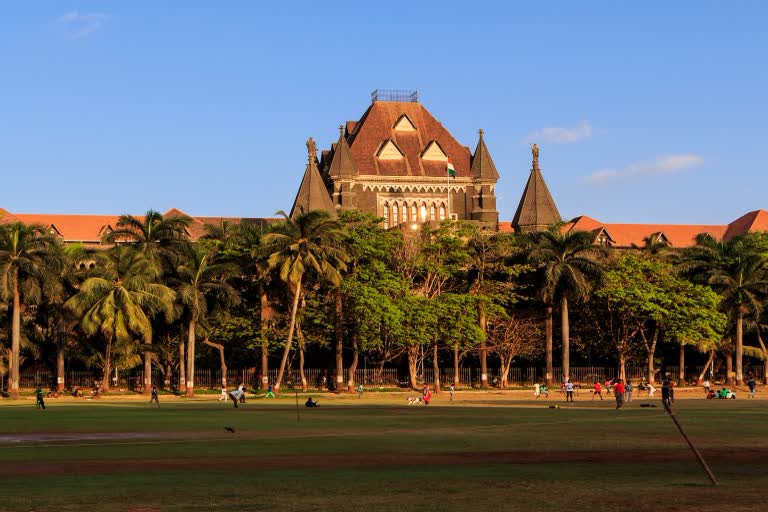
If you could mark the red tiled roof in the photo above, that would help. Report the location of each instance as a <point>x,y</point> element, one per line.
<point>506,227</point>
<point>377,125</point>
<point>753,221</point>
<point>625,235</point>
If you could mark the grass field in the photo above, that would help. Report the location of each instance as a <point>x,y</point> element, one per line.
<point>484,451</point>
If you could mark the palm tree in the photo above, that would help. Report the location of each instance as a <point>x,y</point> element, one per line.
<point>162,240</point>
<point>311,241</point>
<point>30,263</point>
<point>203,288</point>
<point>120,302</point>
<point>567,265</point>
<point>736,270</point>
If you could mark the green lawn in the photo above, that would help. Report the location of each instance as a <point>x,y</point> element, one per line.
<point>376,454</point>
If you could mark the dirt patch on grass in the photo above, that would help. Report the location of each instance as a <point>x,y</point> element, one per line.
<point>373,460</point>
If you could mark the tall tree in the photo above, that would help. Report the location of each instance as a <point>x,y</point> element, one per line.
<point>309,242</point>
<point>567,265</point>
<point>30,265</point>
<point>737,270</point>
<point>162,240</point>
<point>203,288</point>
<point>119,303</point>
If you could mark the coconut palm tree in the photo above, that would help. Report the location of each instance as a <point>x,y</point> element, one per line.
<point>568,268</point>
<point>119,303</point>
<point>30,263</point>
<point>162,240</point>
<point>309,242</point>
<point>203,289</point>
<point>738,271</point>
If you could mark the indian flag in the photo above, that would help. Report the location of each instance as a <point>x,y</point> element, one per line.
<point>451,169</point>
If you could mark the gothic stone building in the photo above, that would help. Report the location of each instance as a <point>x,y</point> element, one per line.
<point>393,162</point>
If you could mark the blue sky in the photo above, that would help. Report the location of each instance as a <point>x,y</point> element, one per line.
<point>645,112</point>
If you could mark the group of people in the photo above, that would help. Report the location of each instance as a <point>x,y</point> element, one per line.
<point>622,391</point>
<point>237,395</point>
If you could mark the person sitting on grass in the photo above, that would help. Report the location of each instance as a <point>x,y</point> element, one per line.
<point>310,403</point>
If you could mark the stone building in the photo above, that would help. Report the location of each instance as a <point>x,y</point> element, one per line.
<point>396,162</point>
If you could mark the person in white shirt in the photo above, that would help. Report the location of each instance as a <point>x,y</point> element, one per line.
<point>569,391</point>
<point>651,390</point>
<point>236,395</point>
<point>537,390</point>
<point>223,397</point>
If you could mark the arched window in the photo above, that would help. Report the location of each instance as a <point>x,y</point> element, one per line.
<point>442,212</point>
<point>423,212</point>
<point>404,213</point>
<point>386,216</point>
<point>395,220</point>
<point>413,212</point>
<point>432,212</point>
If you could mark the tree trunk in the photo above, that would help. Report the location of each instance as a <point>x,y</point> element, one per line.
<point>107,365</point>
<point>182,363</point>
<point>15,338</point>
<point>339,340</point>
<point>352,367</point>
<point>483,349</point>
<point>739,348</point>
<point>566,339</point>
<point>622,367</point>
<point>729,368</point>
<point>505,363</point>
<point>222,361</point>
<point>436,368</point>
<point>651,353</point>
<point>148,367</point>
<point>709,362</point>
<point>190,384</point>
<point>548,346</point>
<point>290,338</point>
<point>456,379</point>
<point>265,315</point>
<point>413,360</point>
<point>300,340</point>
<point>765,356</point>
<point>60,370</point>
<point>681,373</point>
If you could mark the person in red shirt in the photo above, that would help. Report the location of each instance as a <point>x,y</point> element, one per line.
<point>618,391</point>
<point>598,391</point>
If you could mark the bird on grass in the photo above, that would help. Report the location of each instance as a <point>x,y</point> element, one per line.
<point>230,429</point>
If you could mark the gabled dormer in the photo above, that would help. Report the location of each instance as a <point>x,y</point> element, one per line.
<point>434,152</point>
<point>603,238</point>
<point>404,124</point>
<point>53,230</point>
<point>659,238</point>
<point>388,150</point>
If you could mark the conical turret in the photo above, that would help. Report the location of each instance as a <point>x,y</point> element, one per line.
<point>537,210</point>
<point>312,193</point>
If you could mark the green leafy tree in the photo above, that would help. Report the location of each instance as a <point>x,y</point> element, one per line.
<point>118,304</point>
<point>567,266</point>
<point>309,242</point>
<point>736,269</point>
<point>30,266</point>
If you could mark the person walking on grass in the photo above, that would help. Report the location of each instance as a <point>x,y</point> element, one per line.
<point>667,396</point>
<point>360,390</point>
<point>223,397</point>
<point>752,386</point>
<point>537,390</point>
<point>450,390</point>
<point>154,397</point>
<point>270,392</point>
<point>598,391</point>
<point>543,391</point>
<point>39,403</point>
<point>569,391</point>
<point>618,391</point>
<point>628,391</point>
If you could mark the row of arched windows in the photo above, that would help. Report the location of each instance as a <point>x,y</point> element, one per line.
<point>412,211</point>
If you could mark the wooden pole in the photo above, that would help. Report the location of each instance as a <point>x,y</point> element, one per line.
<point>690,443</point>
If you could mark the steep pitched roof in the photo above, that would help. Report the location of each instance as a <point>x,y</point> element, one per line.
<point>536,208</point>
<point>342,163</point>
<point>482,163</point>
<point>312,194</point>
<point>756,220</point>
<point>378,124</point>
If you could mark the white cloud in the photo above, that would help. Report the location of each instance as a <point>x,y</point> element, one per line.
<point>76,25</point>
<point>665,165</point>
<point>560,135</point>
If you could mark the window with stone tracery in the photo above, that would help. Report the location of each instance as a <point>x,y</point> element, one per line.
<point>442,212</point>
<point>423,212</point>
<point>386,216</point>
<point>395,220</point>
<point>432,212</point>
<point>404,213</point>
<point>413,212</point>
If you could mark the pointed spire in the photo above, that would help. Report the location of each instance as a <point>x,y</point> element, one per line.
<point>482,164</point>
<point>342,164</point>
<point>537,210</point>
<point>312,194</point>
